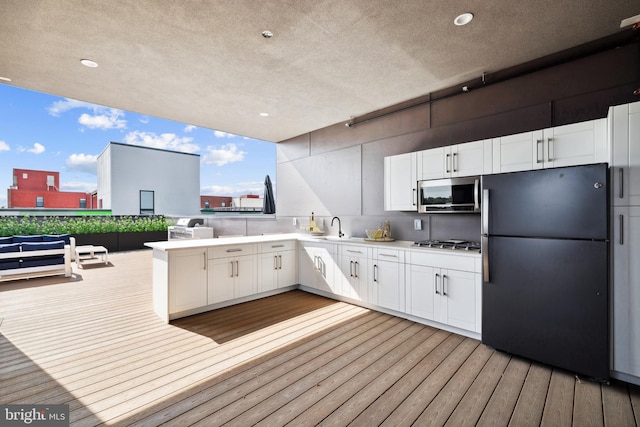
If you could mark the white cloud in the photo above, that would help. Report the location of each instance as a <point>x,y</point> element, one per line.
<point>83,163</point>
<point>4,146</point>
<point>228,153</point>
<point>84,187</point>
<point>36,149</point>
<point>104,119</point>
<point>190,128</point>
<point>67,104</point>
<point>220,134</point>
<point>166,141</point>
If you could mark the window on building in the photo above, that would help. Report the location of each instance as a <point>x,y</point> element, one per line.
<point>147,202</point>
<point>206,204</point>
<point>39,202</point>
<point>223,204</point>
<point>83,203</point>
<point>25,176</point>
<point>51,181</point>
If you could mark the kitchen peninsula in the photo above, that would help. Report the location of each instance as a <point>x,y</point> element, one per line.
<point>439,287</point>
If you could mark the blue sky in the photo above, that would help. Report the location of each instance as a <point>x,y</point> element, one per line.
<point>45,132</point>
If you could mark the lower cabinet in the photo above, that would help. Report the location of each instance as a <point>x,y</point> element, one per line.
<point>625,247</point>
<point>277,267</point>
<point>317,265</point>
<point>354,272</point>
<point>232,273</point>
<point>187,280</point>
<point>386,280</point>
<point>445,295</point>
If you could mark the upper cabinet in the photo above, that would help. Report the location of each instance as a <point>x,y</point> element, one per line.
<point>624,131</point>
<point>468,159</point>
<point>569,145</point>
<point>400,182</point>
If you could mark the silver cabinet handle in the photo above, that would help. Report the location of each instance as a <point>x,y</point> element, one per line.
<point>455,162</point>
<point>621,177</point>
<point>549,149</point>
<point>476,195</point>
<point>354,252</point>
<point>538,159</point>
<point>375,271</point>
<point>275,262</point>
<point>415,197</point>
<point>232,272</point>
<point>447,161</point>
<point>356,269</point>
<point>350,268</point>
<point>277,246</point>
<point>444,281</point>
<point>204,264</point>
<point>621,218</point>
<point>234,250</point>
<point>237,269</point>
<point>436,279</point>
<point>389,255</point>
<point>279,262</point>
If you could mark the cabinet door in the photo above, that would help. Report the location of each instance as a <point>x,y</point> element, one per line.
<point>434,163</point>
<point>421,291</point>
<point>469,159</point>
<point>187,280</point>
<point>287,269</point>
<point>221,279</point>
<point>326,272</point>
<point>268,276</point>
<point>519,152</point>
<point>353,274</point>
<point>458,298</point>
<point>307,266</point>
<point>245,276</point>
<point>576,144</point>
<point>626,290</point>
<point>400,183</point>
<point>388,284</point>
<point>625,134</point>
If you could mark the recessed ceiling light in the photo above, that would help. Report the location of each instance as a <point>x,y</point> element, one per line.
<point>463,19</point>
<point>267,34</point>
<point>5,79</point>
<point>264,114</point>
<point>89,63</point>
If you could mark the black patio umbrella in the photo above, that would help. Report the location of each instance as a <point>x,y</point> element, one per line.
<point>269,202</point>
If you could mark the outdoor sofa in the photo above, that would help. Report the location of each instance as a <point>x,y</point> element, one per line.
<point>24,257</point>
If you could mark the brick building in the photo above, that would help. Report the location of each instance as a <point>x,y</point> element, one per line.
<point>41,189</point>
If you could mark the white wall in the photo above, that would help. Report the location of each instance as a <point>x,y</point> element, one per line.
<point>173,177</point>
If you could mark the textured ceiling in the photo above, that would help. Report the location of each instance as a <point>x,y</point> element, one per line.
<point>205,62</point>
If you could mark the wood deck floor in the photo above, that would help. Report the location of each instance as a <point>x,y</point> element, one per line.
<point>294,359</point>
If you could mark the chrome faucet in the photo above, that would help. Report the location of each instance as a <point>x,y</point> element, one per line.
<point>340,233</point>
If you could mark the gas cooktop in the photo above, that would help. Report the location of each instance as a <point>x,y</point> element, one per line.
<point>463,245</point>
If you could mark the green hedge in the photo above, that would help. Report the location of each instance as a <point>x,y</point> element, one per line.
<point>29,225</point>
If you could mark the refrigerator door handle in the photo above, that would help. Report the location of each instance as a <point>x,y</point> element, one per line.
<point>621,217</point>
<point>485,235</point>
<point>621,176</point>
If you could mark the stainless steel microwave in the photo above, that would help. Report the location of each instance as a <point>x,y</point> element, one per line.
<point>452,195</point>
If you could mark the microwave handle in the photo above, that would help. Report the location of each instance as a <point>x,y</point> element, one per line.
<point>476,195</point>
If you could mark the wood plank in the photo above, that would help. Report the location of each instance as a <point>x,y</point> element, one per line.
<point>616,405</point>
<point>634,394</point>
<point>476,397</point>
<point>530,404</point>
<point>587,409</point>
<point>558,408</point>
<point>503,401</point>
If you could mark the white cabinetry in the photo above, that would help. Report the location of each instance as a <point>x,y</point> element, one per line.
<point>277,266</point>
<point>445,288</point>
<point>400,182</point>
<point>625,239</point>
<point>317,264</point>
<point>568,145</point>
<point>232,272</point>
<point>386,283</point>
<point>187,280</point>
<point>625,159</point>
<point>353,274</point>
<point>468,159</point>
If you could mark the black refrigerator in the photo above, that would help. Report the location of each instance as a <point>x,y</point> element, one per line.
<point>545,237</point>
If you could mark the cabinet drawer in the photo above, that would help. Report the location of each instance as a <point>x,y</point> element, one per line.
<point>231,251</point>
<point>350,250</point>
<point>393,255</point>
<point>443,260</point>
<point>286,245</point>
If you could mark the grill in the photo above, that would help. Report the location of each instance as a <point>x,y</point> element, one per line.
<point>189,228</point>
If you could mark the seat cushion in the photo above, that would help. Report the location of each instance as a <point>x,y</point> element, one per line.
<point>12,247</point>
<point>55,237</point>
<point>6,240</point>
<point>20,239</point>
<point>8,264</point>
<point>42,246</point>
<point>40,261</point>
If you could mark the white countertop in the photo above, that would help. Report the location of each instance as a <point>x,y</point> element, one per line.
<point>204,243</point>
